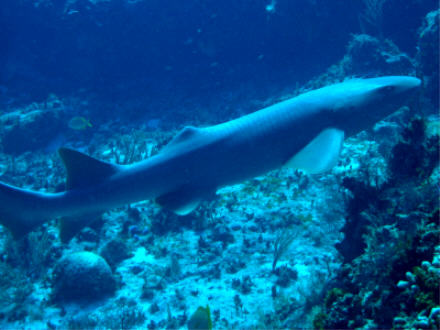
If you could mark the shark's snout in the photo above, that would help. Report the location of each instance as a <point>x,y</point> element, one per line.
<point>366,101</point>
<point>408,84</point>
<point>400,84</point>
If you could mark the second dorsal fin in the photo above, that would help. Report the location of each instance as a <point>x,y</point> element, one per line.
<point>184,136</point>
<point>83,170</point>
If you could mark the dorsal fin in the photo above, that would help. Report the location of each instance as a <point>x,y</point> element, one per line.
<point>186,134</point>
<point>83,170</point>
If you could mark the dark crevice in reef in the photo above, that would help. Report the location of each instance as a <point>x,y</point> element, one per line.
<point>387,279</point>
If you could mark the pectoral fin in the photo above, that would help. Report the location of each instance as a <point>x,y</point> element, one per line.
<point>321,154</point>
<point>182,201</point>
<point>70,226</point>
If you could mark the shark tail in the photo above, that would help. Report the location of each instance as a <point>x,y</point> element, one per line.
<point>22,210</point>
<point>19,209</point>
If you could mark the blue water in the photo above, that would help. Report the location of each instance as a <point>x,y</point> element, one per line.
<point>194,50</point>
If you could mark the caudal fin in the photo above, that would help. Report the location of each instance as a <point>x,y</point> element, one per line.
<point>20,209</point>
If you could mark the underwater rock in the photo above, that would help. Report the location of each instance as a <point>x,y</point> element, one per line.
<point>82,276</point>
<point>387,132</point>
<point>114,252</point>
<point>285,275</point>
<point>233,265</point>
<point>422,322</point>
<point>399,322</point>
<point>362,196</point>
<point>426,265</point>
<point>244,285</point>
<point>410,277</point>
<point>423,150</point>
<point>28,131</point>
<point>428,56</point>
<point>367,55</point>
<point>221,233</point>
<point>88,235</point>
<point>435,312</point>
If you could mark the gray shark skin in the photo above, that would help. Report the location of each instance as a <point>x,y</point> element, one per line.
<point>303,132</point>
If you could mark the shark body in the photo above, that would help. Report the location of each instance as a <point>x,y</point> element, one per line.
<point>305,132</point>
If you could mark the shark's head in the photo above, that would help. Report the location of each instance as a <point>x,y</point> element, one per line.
<point>360,103</point>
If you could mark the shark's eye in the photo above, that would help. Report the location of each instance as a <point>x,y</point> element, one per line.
<point>387,89</point>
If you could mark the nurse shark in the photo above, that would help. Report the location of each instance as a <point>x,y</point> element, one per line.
<point>304,132</point>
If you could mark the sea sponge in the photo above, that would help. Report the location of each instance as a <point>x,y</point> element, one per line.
<point>82,276</point>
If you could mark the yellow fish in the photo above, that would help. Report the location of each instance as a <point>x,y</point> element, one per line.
<point>201,319</point>
<point>79,123</point>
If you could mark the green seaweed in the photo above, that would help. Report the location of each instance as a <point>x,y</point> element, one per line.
<point>428,283</point>
<point>332,296</point>
<point>319,321</point>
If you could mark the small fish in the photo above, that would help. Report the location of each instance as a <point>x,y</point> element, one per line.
<point>72,12</point>
<point>201,319</point>
<point>79,123</point>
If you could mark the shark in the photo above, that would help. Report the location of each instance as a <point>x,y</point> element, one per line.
<point>304,132</point>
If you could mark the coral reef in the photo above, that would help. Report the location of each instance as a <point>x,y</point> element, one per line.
<point>423,150</point>
<point>82,276</point>
<point>390,277</point>
<point>367,55</point>
<point>428,57</point>
<point>25,129</point>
